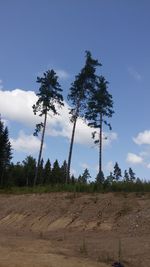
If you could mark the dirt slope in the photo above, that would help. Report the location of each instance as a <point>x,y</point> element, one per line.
<point>74,230</point>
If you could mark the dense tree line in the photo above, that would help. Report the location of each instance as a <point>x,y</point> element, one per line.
<point>22,174</point>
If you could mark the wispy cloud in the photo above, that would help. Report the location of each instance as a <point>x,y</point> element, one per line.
<point>143,138</point>
<point>25,143</point>
<point>84,165</point>
<point>6,122</point>
<point>109,166</point>
<point>148,165</point>
<point>73,172</point>
<point>62,74</point>
<point>134,159</point>
<point>1,84</point>
<point>144,154</point>
<point>134,74</point>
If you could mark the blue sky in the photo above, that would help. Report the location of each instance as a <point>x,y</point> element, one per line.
<point>38,35</point>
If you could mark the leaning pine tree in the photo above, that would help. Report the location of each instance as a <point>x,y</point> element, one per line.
<point>79,91</point>
<point>100,106</point>
<point>49,95</point>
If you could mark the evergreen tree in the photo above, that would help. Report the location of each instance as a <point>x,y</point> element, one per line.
<point>126,176</point>
<point>131,175</point>
<point>84,177</point>
<point>56,173</point>
<point>5,150</point>
<point>49,95</point>
<point>100,106</point>
<point>117,172</point>
<point>73,179</point>
<point>80,88</point>
<point>63,170</point>
<point>40,177</point>
<point>10,181</point>
<point>110,178</point>
<point>138,180</point>
<point>47,173</point>
<point>18,175</point>
<point>100,178</point>
<point>29,165</point>
<point>79,178</point>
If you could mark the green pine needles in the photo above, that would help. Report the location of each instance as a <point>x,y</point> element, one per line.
<point>49,95</point>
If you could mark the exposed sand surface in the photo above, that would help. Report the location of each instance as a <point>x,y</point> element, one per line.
<point>74,230</point>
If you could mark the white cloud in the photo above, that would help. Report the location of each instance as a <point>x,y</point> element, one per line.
<point>144,154</point>
<point>143,138</point>
<point>84,165</point>
<point>1,84</point>
<point>25,143</point>
<point>17,105</point>
<point>6,123</point>
<point>109,166</point>
<point>83,133</point>
<point>61,126</point>
<point>73,172</point>
<point>134,74</point>
<point>134,159</point>
<point>96,168</point>
<point>110,136</point>
<point>62,74</point>
<point>148,165</point>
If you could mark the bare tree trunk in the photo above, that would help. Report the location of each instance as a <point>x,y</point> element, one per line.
<point>100,146</point>
<point>72,140</point>
<point>70,150</point>
<point>41,148</point>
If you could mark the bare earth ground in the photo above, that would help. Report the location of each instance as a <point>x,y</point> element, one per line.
<point>74,230</point>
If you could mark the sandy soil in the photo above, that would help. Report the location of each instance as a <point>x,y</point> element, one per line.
<point>74,230</point>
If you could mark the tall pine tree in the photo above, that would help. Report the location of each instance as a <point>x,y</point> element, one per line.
<point>79,91</point>
<point>100,107</point>
<point>49,95</point>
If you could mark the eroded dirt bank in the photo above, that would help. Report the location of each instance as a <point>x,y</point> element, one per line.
<point>74,230</point>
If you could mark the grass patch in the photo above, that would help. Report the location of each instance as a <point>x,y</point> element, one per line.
<point>122,187</point>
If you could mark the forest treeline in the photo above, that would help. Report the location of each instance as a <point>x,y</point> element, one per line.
<point>90,100</point>
<point>52,177</point>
